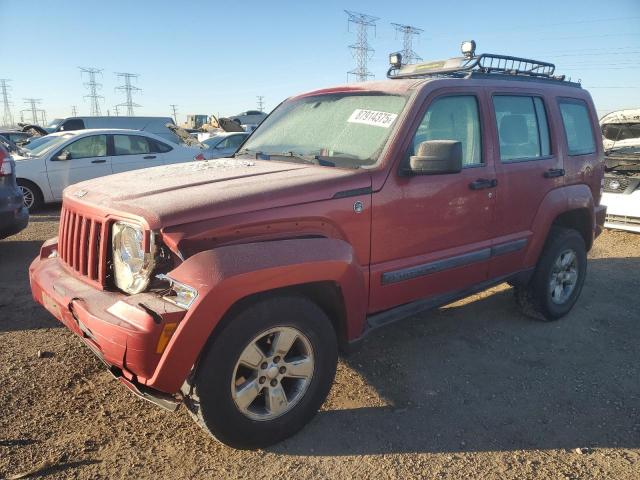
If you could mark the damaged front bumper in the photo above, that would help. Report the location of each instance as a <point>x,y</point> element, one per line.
<point>124,332</point>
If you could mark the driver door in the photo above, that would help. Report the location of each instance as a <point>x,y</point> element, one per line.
<point>86,159</point>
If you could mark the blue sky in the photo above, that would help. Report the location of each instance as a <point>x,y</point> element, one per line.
<point>216,57</point>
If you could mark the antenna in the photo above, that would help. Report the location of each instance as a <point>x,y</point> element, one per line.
<point>408,32</point>
<point>128,90</point>
<point>260,103</point>
<point>361,49</point>
<point>33,103</point>
<point>7,117</point>
<point>93,87</point>
<point>174,107</point>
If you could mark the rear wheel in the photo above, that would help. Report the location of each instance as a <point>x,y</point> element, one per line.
<point>266,373</point>
<point>558,279</point>
<point>31,194</point>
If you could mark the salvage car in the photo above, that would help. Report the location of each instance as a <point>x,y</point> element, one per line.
<point>53,162</point>
<point>14,216</point>
<point>229,285</point>
<point>224,144</point>
<point>621,138</point>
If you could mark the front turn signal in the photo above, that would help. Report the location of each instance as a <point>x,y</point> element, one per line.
<point>166,334</point>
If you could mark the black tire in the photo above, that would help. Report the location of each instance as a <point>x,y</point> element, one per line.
<point>535,298</point>
<point>35,194</point>
<point>210,399</point>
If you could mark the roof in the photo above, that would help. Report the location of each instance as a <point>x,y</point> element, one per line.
<point>395,87</point>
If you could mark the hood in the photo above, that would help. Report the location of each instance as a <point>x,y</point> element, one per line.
<point>188,192</point>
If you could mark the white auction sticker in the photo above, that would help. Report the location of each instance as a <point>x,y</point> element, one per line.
<point>372,117</point>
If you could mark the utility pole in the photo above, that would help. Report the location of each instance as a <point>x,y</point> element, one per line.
<point>361,49</point>
<point>261,103</point>
<point>33,103</point>
<point>408,32</point>
<point>74,111</point>
<point>174,107</point>
<point>128,89</point>
<point>93,87</point>
<point>7,117</point>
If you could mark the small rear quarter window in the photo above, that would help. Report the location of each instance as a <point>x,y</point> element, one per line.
<point>577,126</point>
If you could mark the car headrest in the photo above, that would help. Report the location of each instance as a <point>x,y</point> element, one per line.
<point>513,129</point>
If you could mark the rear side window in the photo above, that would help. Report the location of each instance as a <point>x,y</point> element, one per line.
<point>577,126</point>
<point>130,145</point>
<point>523,131</point>
<point>453,118</point>
<point>158,147</point>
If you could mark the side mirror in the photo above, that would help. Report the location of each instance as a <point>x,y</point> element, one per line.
<point>436,157</point>
<point>63,155</point>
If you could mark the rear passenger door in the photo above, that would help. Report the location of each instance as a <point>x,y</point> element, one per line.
<point>132,152</point>
<point>528,166</point>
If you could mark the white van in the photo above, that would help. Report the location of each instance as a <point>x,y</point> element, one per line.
<point>155,125</point>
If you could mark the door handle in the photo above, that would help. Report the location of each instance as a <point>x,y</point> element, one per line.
<point>483,183</point>
<point>98,161</point>
<point>149,157</point>
<point>554,172</point>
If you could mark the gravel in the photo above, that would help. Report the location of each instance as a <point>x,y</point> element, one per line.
<point>472,390</point>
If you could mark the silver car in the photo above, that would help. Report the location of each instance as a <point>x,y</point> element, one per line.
<point>224,144</point>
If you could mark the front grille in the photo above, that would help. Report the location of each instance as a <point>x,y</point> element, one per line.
<point>82,244</point>
<point>623,220</point>
<point>616,184</point>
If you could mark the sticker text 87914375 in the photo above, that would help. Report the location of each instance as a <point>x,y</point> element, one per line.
<point>372,117</point>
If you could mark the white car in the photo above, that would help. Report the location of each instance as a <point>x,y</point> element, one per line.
<point>53,162</point>
<point>250,117</point>
<point>621,139</point>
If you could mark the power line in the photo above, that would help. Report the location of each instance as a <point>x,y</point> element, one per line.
<point>33,103</point>
<point>408,32</point>
<point>93,87</point>
<point>260,103</point>
<point>361,49</point>
<point>7,117</point>
<point>128,89</point>
<point>174,107</point>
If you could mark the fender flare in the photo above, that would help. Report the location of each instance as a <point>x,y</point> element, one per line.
<point>223,276</point>
<point>555,203</point>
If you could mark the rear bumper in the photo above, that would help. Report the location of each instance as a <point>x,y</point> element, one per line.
<point>13,220</point>
<point>122,330</point>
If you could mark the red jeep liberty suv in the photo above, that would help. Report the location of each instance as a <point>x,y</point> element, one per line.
<point>229,285</point>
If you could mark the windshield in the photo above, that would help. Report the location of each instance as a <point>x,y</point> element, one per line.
<point>344,130</point>
<point>39,145</point>
<point>54,123</point>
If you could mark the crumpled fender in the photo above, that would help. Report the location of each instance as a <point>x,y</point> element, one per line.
<point>556,202</point>
<point>225,275</point>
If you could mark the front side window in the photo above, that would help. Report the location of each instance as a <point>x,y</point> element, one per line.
<point>577,127</point>
<point>233,141</point>
<point>94,146</point>
<point>523,131</point>
<point>343,130</point>
<point>157,146</point>
<point>453,118</point>
<point>130,145</point>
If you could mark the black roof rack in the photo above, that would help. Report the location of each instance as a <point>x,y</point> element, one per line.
<point>485,63</point>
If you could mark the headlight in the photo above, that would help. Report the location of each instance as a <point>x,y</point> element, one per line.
<point>132,267</point>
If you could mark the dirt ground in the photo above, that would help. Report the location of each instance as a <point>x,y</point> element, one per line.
<point>472,390</point>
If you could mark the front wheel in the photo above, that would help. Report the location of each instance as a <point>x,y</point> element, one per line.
<point>266,374</point>
<point>558,279</point>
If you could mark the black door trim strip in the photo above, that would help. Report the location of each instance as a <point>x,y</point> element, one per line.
<point>352,193</point>
<point>409,273</point>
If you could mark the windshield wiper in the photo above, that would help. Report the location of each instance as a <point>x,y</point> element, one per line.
<point>311,159</point>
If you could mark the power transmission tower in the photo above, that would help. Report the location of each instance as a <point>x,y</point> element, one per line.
<point>261,103</point>
<point>93,87</point>
<point>43,117</point>
<point>174,107</point>
<point>7,117</point>
<point>32,103</point>
<point>408,32</point>
<point>361,49</point>
<point>128,90</point>
<point>74,111</point>
<point>116,109</point>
